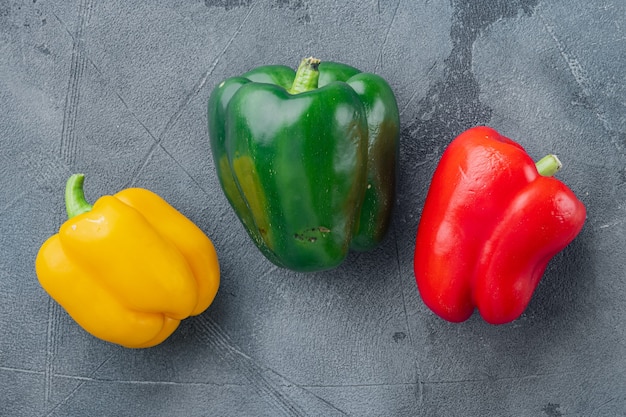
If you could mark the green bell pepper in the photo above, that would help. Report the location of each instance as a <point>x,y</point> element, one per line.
<point>307,159</point>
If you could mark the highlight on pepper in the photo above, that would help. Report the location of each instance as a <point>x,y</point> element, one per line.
<point>492,221</point>
<point>307,159</point>
<point>129,268</point>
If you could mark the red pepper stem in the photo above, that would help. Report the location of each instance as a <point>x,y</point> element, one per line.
<point>307,76</point>
<point>548,165</point>
<point>75,202</point>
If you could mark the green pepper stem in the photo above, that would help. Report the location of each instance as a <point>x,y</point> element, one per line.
<point>548,165</point>
<point>75,202</point>
<point>307,76</point>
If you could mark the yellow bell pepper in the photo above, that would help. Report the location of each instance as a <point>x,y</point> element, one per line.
<point>130,268</point>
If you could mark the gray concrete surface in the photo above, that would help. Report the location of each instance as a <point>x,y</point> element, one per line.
<point>118,90</point>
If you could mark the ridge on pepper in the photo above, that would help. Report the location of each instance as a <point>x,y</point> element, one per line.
<point>492,221</point>
<point>307,159</point>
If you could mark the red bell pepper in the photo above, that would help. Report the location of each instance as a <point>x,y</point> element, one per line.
<point>491,222</point>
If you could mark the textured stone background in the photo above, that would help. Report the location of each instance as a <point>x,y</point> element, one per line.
<point>118,90</point>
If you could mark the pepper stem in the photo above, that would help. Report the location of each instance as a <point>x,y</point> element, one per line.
<point>75,202</point>
<point>307,76</point>
<point>548,165</point>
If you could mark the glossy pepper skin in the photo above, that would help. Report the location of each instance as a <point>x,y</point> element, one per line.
<point>307,159</point>
<point>490,225</point>
<point>130,268</point>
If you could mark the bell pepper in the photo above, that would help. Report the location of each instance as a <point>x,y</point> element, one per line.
<point>491,222</point>
<point>307,159</point>
<point>129,268</point>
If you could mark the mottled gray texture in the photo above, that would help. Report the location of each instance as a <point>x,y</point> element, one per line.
<point>118,90</point>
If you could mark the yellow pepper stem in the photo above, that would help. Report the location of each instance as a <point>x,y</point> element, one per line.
<point>75,202</point>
